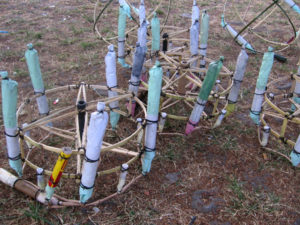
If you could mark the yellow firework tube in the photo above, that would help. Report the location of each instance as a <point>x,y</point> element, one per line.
<point>58,170</point>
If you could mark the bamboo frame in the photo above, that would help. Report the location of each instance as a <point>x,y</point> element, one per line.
<point>56,115</point>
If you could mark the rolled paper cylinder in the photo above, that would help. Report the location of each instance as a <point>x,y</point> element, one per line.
<point>204,34</point>
<point>238,77</point>
<point>261,85</point>
<point>195,14</point>
<point>142,12</point>
<point>162,121</point>
<point>40,178</point>
<point>155,30</point>
<point>194,39</point>
<point>142,36</point>
<point>122,178</point>
<point>293,5</point>
<point>220,118</point>
<point>165,42</point>
<point>135,80</point>
<point>265,136</point>
<point>58,169</point>
<point>81,105</point>
<point>111,81</point>
<point>296,93</point>
<point>34,68</point>
<point>154,90</point>
<point>208,83</point>
<point>7,178</point>
<point>218,82</point>
<point>124,12</point>
<point>25,187</point>
<point>95,134</point>
<point>141,133</point>
<point>27,133</point>
<point>240,40</point>
<point>9,108</point>
<point>295,154</point>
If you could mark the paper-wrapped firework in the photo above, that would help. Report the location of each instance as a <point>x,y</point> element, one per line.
<point>25,187</point>
<point>155,82</point>
<point>9,108</point>
<point>122,178</point>
<point>141,133</point>
<point>155,30</point>
<point>203,37</point>
<point>295,154</point>
<point>34,68</point>
<point>261,85</point>
<point>194,41</point>
<point>220,118</point>
<point>40,178</point>
<point>195,14</point>
<point>265,136</point>
<point>293,5</point>
<point>162,121</point>
<point>208,83</point>
<point>296,93</point>
<point>238,76</point>
<point>111,81</point>
<point>142,12</point>
<point>134,83</point>
<point>58,169</point>
<point>124,12</point>
<point>95,134</point>
<point>142,35</point>
<point>233,33</point>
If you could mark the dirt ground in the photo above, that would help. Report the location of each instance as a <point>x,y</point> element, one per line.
<point>215,176</point>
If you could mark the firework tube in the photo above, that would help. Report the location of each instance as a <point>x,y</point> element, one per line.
<point>57,171</point>
<point>238,76</point>
<point>142,12</point>
<point>34,68</point>
<point>135,80</point>
<point>261,85</point>
<point>162,121</point>
<point>240,40</point>
<point>265,136</point>
<point>155,29</point>
<point>293,5</point>
<point>203,37</point>
<point>142,35</point>
<point>194,41</point>
<point>155,82</point>
<point>111,81</point>
<point>220,118</point>
<point>141,133</point>
<point>9,109</point>
<point>95,134</point>
<point>40,178</point>
<point>295,154</point>
<point>208,83</point>
<point>124,12</point>
<point>296,93</point>
<point>122,178</point>
<point>27,133</point>
<point>25,187</point>
<point>195,14</point>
